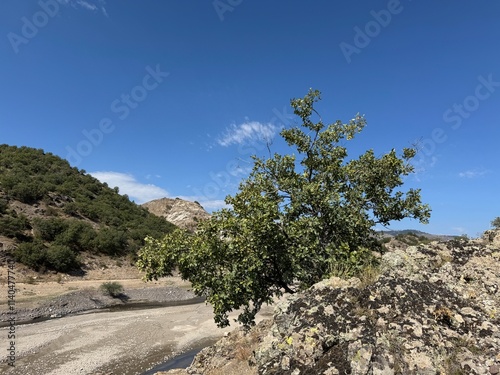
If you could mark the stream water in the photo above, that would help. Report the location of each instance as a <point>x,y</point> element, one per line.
<point>180,361</point>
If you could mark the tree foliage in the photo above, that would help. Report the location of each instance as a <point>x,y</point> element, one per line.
<point>293,219</point>
<point>495,223</point>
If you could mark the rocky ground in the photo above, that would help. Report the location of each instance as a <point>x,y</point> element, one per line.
<point>431,309</point>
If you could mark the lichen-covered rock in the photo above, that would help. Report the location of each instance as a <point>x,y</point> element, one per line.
<point>434,309</point>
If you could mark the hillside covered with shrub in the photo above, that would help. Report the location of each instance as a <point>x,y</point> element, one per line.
<point>50,212</point>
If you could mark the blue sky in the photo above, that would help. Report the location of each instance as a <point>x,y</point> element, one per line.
<point>170,98</point>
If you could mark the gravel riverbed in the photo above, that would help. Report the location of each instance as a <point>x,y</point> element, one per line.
<point>123,341</point>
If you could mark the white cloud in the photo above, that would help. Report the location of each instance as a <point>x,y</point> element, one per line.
<point>248,132</point>
<point>91,5</point>
<point>86,5</point>
<point>472,173</point>
<point>127,184</point>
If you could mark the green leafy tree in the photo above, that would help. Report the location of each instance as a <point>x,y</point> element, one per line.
<point>294,219</point>
<point>495,223</point>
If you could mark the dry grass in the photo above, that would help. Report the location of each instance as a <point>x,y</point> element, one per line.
<point>368,276</point>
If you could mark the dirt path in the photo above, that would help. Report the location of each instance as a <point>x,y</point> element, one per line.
<point>124,342</point>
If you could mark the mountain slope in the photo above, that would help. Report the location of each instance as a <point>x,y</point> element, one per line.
<point>50,212</point>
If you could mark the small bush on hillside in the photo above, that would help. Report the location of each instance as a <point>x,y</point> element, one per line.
<point>4,204</point>
<point>48,229</point>
<point>28,192</point>
<point>14,226</point>
<point>40,257</point>
<point>78,236</point>
<point>110,241</point>
<point>33,254</point>
<point>61,258</point>
<point>112,289</point>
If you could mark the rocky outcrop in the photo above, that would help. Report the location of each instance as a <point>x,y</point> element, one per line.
<point>432,309</point>
<point>184,214</point>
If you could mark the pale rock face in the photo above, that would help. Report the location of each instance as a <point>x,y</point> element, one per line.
<point>184,214</point>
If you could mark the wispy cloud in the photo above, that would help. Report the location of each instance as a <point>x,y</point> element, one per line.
<point>473,173</point>
<point>90,5</point>
<point>128,184</point>
<point>250,131</point>
<point>86,5</point>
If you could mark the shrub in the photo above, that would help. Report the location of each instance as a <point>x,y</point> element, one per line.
<point>4,204</point>
<point>48,229</point>
<point>13,226</point>
<point>79,236</point>
<point>33,254</point>
<point>110,241</point>
<point>112,289</point>
<point>28,192</point>
<point>495,223</point>
<point>61,258</point>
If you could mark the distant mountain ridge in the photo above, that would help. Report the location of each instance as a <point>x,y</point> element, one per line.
<point>418,233</point>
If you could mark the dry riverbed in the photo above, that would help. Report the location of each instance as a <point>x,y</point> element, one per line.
<point>91,340</point>
<point>123,342</point>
